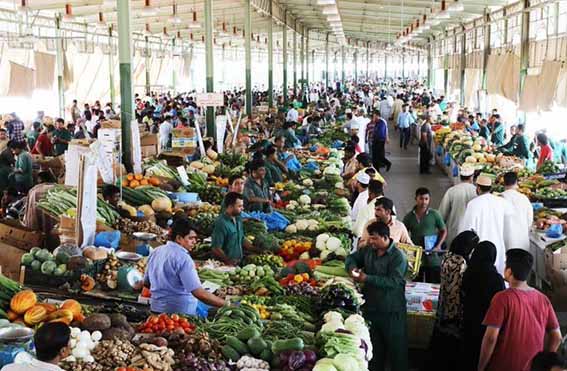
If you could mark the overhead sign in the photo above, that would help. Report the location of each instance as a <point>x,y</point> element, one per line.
<point>210,99</point>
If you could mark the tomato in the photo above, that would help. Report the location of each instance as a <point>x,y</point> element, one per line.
<point>183,321</point>
<point>171,328</point>
<point>153,319</point>
<point>163,316</point>
<point>175,317</point>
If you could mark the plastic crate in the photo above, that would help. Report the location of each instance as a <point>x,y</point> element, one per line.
<point>420,329</point>
<point>414,255</point>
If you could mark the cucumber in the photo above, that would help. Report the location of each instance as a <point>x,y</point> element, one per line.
<point>248,333</point>
<point>237,345</point>
<point>257,345</point>
<point>279,346</point>
<point>229,353</point>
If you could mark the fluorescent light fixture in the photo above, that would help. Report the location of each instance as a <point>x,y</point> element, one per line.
<point>194,24</point>
<point>175,19</point>
<point>330,10</point>
<point>325,2</point>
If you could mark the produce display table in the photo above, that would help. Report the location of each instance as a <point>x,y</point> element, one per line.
<point>538,244</point>
<point>422,300</point>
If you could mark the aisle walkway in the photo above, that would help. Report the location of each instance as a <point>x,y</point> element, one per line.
<point>404,178</point>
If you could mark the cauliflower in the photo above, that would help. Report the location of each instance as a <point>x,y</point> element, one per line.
<point>334,244</point>
<point>308,182</point>
<point>290,206</point>
<point>324,254</point>
<point>313,227</point>
<point>304,255</point>
<point>323,237</point>
<point>304,200</point>
<point>320,245</point>
<point>292,228</point>
<point>339,185</point>
<point>341,252</point>
<point>302,225</point>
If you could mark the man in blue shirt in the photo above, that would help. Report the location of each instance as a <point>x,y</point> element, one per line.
<point>379,140</point>
<point>405,119</point>
<point>172,276</point>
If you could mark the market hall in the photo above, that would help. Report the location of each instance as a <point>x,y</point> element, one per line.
<point>322,185</point>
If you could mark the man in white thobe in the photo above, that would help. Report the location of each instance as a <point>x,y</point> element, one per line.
<point>385,108</point>
<point>397,108</point>
<point>487,215</point>
<point>362,123</point>
<point>523,216</point>
<point>455,200</point>
<point>362,180</point>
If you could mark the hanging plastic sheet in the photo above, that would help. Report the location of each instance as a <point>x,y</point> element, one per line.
<point>68,75</point>
<point>473,77</point>
<point>44,70</point>
<point>547,84</point>
<point>21,81</point>
<point>494,74</point>
<point>561,91</point>
<point>509,76</point>
<point>528,100</point>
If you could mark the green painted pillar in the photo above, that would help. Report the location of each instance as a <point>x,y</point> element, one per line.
<point>343,67</point>
<point>248,54</point>
<point>367,60</point>
<point>284,52</point>
<point>525,45</point>
<point>295,61</point>
<point>486,50</point>
<point>303,59</point>
<point>430,64</point>
<point>307,63</point>
<point>209,64</point>
<point>270,58</point>
<point>327,61</point>
<point>147,63</point>
<point>173,70</point>
<point>356,66</point>
<point>111,68</point>
<point>60,66</point>
<point>126,96</point>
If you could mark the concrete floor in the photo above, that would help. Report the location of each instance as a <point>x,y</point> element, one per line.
<point>404,177</point>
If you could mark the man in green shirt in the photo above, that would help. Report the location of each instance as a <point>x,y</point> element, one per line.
<point>256,190</point>
<point>274,167</point>
<point>484,130</point>
<point>228,233</point>
<point>498,131</point>
<point>22,177</point>
<point>427,229</point>
<point>518,146</point>
<point>381,269</point>
<point>61,137</point>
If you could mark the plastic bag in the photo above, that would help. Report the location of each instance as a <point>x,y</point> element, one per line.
<point>554,231</point>
<point>293,164</point>
<point>108,239</point>
<point>274,221</point>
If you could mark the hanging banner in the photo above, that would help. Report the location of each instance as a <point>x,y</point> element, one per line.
<point>220,123</point>
<point>210,99</point>
<point>88,190</point>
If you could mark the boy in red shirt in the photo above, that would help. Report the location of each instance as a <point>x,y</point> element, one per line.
<point>518,320</point>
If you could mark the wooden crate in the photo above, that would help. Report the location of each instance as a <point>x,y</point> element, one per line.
<point>420,329</point>
<point>19,236</point>
<point>10,257</point>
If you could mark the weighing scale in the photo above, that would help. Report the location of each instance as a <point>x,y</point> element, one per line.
<point>15,344</point>
<point>142,246</point>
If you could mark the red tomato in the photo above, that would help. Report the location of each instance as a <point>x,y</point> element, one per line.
<point>175,317</point>
<point>153,319</point>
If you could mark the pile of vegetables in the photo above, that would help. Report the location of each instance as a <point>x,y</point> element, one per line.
<point>41,260</point>
<point>328,245</point>
<point>339,295</point>
<point>295,249</point>
<point>250,273</point>
<point>165,323</point>
<point>303,225</point>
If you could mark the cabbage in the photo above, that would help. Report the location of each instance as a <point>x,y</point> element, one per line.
<point>344,362</point>
<point>324,366</point>
<point>332,326</point>
<point>334,244</point>
<point>304,200</point>
<point>355,318</point>
<point>323,237</point>
<point>332,316</point>
<point>320,245</point>
<point>331,170</point>
<point>324,254</point>
<point>302,225</point>
<point>308,182</point>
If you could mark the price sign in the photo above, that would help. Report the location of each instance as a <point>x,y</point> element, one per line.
<point>210,99</point>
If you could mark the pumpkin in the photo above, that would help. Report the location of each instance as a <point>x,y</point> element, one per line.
<point>79,318</point>
<point>138,177</point>
<point>62,315</point>
<point>144,182</point>
<point>87,282</point>
<point>155,181</point>
<point>35,315</point>
<point>130,177</point>
<point>73,306</point>
<point>134,183</point>
<point>23,301</point>
<point>50,308</point>
<point>12,316</point>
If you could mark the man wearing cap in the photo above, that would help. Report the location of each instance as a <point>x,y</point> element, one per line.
<point>361,186</point>
<point>487,215</point>
<point>455,200</point>
<point>385,212</point>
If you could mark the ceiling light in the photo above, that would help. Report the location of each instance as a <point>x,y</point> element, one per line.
<point>68,16</point>
<point>147,10</point>
<point>325,2</point>
<point>174,18</point>
<point>101,24</point>
<point>330,10</point>
<point>147,31</point>
<point>23,7</point>
<point>194,23</point>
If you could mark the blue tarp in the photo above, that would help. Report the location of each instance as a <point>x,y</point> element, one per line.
<point>274,221</point>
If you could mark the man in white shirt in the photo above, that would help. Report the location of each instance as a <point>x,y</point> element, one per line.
<point>51,346</point>
<point>487,215</point>
<point>292,114</point>
<point>385,108</point>
<point>375,191</point>
<point>362,180</point>
<point>523,216</point>
<point>455,200</point>
<point>362,123</point>
<point>165,129</point>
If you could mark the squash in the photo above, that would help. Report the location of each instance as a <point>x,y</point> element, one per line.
<point>35,315</point>
<point>155,181</point>
<point>73,306</point>
<point>147,210</point>
<point>50,308</point>
<point>196,165</point>
<point>134,183</point>
<point>87,282</point>
<point>62,315</point>
<point>209,169</point>
<point>95,253</point>
<point>12,316</point>
<point>130,176</point>
<point>144,182</point>
<point>138,177</point>
<point>23,301</point>
<point>161,204</point>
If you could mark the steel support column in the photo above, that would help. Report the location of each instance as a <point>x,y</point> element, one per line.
<point>111,68</point>
<point>463,65</point>
<point>524,45</point>
<point>403,63</point>
<point>248,54</point>
<point>430,64</point>
<point>271,58</point>
<point>367,60</point>
<point>147,64</point>
<point>295,61</point>
<point>173,70</point>
<point>343,67</point>
<point>307,63</point>
<point>385,66</point>
<point>327,62</point>
<point>209,56</point>
<point>486,49</point>
<point>60,67</point>
<point>355,66</point>
<point>126,96</point>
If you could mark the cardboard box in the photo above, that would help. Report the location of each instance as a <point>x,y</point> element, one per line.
<point>184,133</point>
<point>16,235</point>
<point>110,124</point>
<point>555,260</point>
<point>149,151</point>
<point>149,140</point>
<point>10,257</point>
